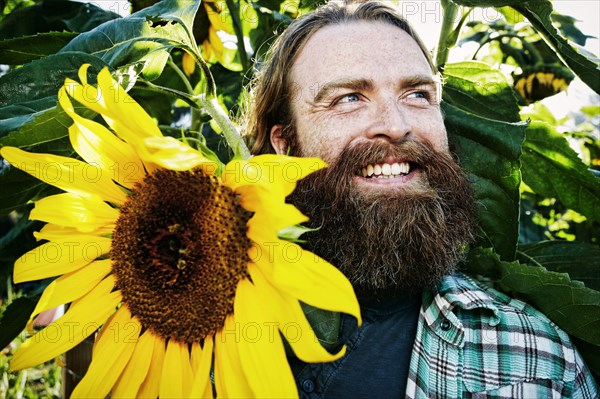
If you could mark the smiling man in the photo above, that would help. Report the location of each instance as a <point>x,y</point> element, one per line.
<point>353,85</point>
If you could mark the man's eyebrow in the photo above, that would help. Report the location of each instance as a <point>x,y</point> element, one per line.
<point>419,80</point>
<point>352,84</point>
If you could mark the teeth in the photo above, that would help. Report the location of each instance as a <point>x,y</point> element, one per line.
<point>386,170</point>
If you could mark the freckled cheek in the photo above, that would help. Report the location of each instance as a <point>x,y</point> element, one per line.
<point>432,128</point>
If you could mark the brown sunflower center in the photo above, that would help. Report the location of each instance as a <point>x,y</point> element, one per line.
<point>179,249</point>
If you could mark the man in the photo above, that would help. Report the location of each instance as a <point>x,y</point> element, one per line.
<point>353,85</point>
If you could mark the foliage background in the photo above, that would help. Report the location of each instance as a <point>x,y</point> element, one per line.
<point>537,178</point>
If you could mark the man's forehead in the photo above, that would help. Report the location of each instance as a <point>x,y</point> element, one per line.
<point>357,50</point>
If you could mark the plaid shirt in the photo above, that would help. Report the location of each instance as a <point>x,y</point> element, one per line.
<point>474,342</point>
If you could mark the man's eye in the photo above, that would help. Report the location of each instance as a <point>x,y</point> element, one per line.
<point>348,98</point>
<point>419,96</point>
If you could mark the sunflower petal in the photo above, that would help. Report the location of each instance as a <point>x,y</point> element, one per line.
<point>277,174</point>
<point>53,232</point>
<point>176,377</point>
<point>111,357</point>
<point>170,153</point>
<point>98,146</point>
<point>293,323</point>
<point>59,257</point>
<point>81,320</point>
<point>151,385</point>
<point>311,279</point>
<point>85,214</point>
<point>72,286</point>
<point>230,378</point>
<point>201,365</point>
<point>120,111</point>
<point>256,350</point>
<point>135,372</point>
<point>68,174</point>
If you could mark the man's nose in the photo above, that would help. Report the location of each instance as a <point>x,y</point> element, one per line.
<point>390,121</point>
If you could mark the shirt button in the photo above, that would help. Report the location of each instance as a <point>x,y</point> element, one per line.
<point>308,386</point>
<point>445,325</point>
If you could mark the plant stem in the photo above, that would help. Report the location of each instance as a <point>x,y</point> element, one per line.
<point>239,33</point>
<point>231,134</point>
<point>450,11</point>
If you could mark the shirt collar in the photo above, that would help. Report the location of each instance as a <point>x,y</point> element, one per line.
<point>453,293</point>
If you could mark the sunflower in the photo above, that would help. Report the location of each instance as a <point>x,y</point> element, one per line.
<point>177,269</point>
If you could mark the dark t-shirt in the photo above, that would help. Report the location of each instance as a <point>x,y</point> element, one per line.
<point>377,358</point>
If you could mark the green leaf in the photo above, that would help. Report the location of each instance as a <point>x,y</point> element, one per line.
<point>326,325</point>
<point>477,88</point>
<point>581,261</point>
<point>28,48</point>
<point>474,95</point>
<point>551,168</point>
<point>489,151</point>
<point>51,15</point>
<point>144,37</point>
<point>14,319</point>
<point>42,78</point>
<point>539,12</point>
<point>572,306</point>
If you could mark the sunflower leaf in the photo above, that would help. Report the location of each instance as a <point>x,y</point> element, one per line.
<point>14,319</point>
<point>25,49</point>
<point>578,259</point>
<point>144,37</point>
<point>481,116</point>
<point>476,86</point>
<point>551,168</point>
<point>489,151</point>
<point>325,324</point>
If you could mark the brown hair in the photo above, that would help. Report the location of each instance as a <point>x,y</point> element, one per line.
<point>269,100</point>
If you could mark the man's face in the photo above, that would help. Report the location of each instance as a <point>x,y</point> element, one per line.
<point>394,210</point>
<point>362,82</point>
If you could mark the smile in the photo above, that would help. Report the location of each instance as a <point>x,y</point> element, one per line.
<point>386,170</point>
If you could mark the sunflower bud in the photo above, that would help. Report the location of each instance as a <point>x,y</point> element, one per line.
<point>541,81</point>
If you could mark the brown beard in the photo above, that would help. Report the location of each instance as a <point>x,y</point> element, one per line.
<point>389,242</point>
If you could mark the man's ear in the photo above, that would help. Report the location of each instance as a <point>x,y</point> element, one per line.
<point>277,141</point>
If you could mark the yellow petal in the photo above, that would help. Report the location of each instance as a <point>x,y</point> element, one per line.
<point>120,111</point>
<point>68,174</point>
<point>111,356</point>
<point>275,218</point>
<point>81,320</point>
<point>135,372</point>
<point>218,19</point>
<point>150,386</point>
<point>53,232</point>
<point>72,286</point>
<point>171,153</point>
<point>230,378</point>
<point>277,174</point>
<point>85,214</point>
<point>201,365</point>
<point>98,146</point>
<point>59,257</point>
<point>293,323</point>
<point>311,279</point>
<point>261,346</point>
<point>176,377</point>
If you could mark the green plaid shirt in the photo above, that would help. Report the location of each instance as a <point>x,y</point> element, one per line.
<point>474,342</point>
